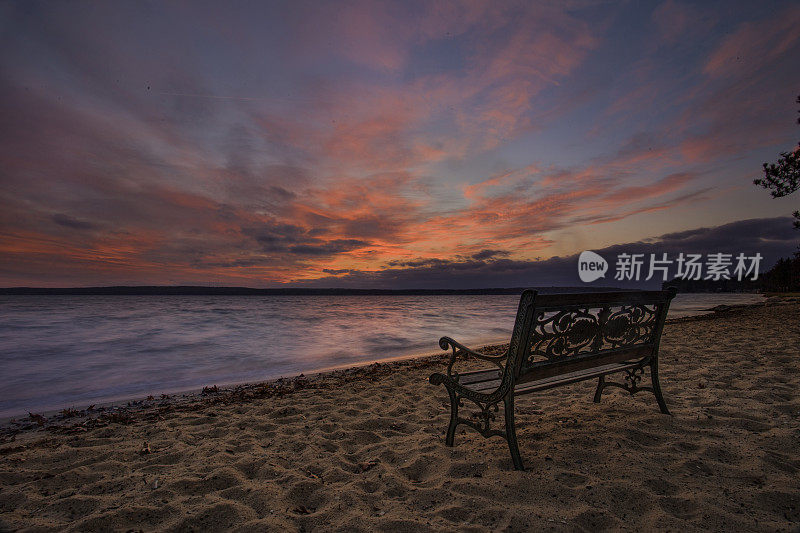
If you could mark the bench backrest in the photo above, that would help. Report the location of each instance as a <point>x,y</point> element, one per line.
<point>559,333</point>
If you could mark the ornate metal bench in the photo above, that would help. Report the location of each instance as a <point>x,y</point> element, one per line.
<point>560,339</point>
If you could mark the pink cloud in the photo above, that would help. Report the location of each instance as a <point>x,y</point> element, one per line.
<point>387,124</point>
<point>634,193</point>
<point>755,44</point>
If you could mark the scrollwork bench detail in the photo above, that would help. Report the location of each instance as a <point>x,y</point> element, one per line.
<point>559,339</point>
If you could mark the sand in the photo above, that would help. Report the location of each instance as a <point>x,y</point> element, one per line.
<point>364,451</point>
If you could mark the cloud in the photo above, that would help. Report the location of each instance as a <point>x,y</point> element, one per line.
<point>335,271</point>
<point>72,222</point>
<point>754,44</point>
<point>773,238</point>
<point>270,143</point>
<point>328,248</point>
<point>665,185</point>
<point>490,254</point>
<point>739,106</point>
<point>517,208</point>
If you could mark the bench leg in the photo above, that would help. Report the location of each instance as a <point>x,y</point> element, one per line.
<point>657,387</point>
<point>601,383</point>
<point>451,429</point>
<point>511,432</point>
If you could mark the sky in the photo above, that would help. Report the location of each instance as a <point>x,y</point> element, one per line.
<point>386,144</point>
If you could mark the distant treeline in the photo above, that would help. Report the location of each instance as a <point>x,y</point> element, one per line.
<point>186,290</point>
<point>707,285</point>
<point>783,277</point>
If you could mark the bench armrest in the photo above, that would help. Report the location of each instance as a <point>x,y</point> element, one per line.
<point>460,349</point>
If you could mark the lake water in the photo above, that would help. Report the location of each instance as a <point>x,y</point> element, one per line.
<point>72,351</point>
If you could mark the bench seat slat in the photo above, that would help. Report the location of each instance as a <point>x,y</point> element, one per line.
<point>568,365</point>
<point>572,377</point>
<point>552,381</point>
<point>478,376</point>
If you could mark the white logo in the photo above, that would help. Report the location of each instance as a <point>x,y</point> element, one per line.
<point>591,266</point>
<point>631,267</point>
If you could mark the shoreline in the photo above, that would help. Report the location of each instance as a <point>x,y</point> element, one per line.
<point>71,420</point>
<point>194,393</point>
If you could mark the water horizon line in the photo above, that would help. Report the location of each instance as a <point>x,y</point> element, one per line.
<point>203,290</point>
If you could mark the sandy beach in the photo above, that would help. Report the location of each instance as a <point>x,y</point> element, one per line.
<point>363,450</point>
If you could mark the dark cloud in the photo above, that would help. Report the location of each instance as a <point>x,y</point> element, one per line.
<point>336,271</point>
<point>328,248</point>
<point>276,237</point>
<point>291,239</point>
<point>72,222</point>
<point>417,262</point>
<point>489,254</point>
